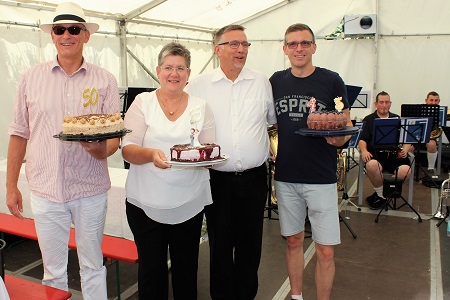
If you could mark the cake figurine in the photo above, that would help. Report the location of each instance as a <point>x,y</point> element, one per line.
<point>312,104</point>
<point>338,104</point>
<point>194,138</point>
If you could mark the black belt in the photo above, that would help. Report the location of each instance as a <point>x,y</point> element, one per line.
<point>240,173</point>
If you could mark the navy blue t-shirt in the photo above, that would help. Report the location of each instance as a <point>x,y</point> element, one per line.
<point>304,159</point>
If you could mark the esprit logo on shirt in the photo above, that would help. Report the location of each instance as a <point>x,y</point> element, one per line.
<point>295,105</point>
<point>91,95</point>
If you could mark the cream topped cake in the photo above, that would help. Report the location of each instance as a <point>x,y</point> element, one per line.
<point>92,124</point>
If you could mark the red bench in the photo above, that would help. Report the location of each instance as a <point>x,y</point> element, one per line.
<point>19,289</point>
<point>115,248</point>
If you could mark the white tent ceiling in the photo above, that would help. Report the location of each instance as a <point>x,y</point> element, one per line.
<point>198,14</point>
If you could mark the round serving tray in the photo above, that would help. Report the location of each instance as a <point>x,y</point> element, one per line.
<point>92,137</point>
<point>349,130</point>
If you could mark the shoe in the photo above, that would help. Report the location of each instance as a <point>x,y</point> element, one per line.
<point>430,182</point>
<point>375,202</point>
<point>431,172</point>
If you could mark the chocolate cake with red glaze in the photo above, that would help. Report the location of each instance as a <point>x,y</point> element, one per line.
<point>188,153</point>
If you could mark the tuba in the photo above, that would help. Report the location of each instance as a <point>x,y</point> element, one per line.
<point>273,138</point>
<point>445,193</point>
<point>341,169</point>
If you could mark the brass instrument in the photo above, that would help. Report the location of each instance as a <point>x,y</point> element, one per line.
<point>341,169</point>
<point>445,194</point>
<point>273,137</point>
<point>436,133</point>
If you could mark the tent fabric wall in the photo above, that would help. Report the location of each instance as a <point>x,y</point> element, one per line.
<point>408,58</point>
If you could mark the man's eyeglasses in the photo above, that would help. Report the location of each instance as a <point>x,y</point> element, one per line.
<point>235,44</point>
<point>304,44</point>
<point>73,30</point>
<point>169,69</point>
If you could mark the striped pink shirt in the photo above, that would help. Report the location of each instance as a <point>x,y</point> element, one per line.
<point>56,170</point>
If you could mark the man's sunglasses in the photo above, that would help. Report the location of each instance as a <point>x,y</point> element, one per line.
<point>73,30</point>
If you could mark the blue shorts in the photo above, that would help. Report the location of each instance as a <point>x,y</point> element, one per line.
<point>321,201</point>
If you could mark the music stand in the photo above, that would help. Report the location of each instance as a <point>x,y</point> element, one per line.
<point>422,111</point>
<point>390,133</point>
<point>352,93</point>
<point>352,144</point>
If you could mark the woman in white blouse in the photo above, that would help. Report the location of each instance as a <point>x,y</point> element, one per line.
<point>165,204</point>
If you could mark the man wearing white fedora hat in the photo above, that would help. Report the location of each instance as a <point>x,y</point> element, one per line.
<point>68,180</point>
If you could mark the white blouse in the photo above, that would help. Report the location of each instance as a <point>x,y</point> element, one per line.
<point>173,195</point>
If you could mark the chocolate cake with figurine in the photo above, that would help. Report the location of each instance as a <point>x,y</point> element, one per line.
<point>326,120</point>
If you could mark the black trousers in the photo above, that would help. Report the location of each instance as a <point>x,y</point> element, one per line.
<point>152,240</point>
<point>235,223</point>
<point>389,160</point>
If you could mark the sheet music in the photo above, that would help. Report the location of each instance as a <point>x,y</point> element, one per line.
<point>386,131</point>
<point>415,130</point>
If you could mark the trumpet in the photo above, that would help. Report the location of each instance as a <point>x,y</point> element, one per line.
<point>445,194</point>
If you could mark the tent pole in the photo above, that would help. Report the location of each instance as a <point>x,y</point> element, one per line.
<point>143,66</point>
<point>123,53</point>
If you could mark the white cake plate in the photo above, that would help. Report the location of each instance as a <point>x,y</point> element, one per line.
<point>206,163</point>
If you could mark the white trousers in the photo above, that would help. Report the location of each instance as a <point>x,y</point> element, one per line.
<point>53,221</point>
<point>3,292</point>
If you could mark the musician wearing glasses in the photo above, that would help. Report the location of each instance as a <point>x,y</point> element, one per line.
<point>305,175</point>
<point>241,100</point>
<point>68,180</point>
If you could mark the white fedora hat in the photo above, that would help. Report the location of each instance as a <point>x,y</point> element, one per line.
<point>69,13</point>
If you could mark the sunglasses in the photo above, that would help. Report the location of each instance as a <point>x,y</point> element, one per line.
<point>73,30</point>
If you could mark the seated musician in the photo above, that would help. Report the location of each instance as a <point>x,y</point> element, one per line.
<point>381,159</point>
<point>432,98</point>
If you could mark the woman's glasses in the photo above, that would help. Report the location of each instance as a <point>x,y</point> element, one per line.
<point>73,30</point>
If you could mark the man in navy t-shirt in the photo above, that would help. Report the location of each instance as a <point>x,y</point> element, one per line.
<point>306,166</point>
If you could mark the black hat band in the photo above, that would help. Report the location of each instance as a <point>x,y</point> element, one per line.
<point>68,17</point>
